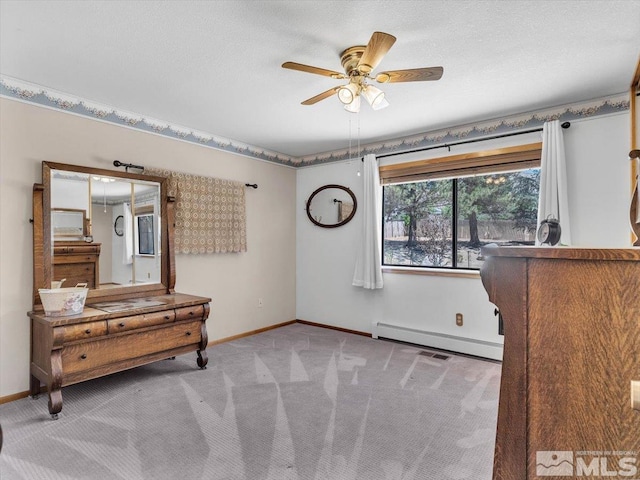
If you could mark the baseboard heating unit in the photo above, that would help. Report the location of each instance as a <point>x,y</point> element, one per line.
<point>470,346</point>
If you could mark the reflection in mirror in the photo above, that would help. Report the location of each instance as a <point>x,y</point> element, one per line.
<point>331,206</point>
<point>69,193</point>
<point>97,254</point>
<point>146,233</point>
<point>69,224</point>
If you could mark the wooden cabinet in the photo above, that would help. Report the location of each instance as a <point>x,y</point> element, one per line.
<point>572,348</point>
<point>77,262</point>
<point>68,350</point>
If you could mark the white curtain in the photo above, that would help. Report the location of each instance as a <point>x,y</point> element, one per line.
<point>368,273</point>
<point>127,250</point>
<point>553,180</point>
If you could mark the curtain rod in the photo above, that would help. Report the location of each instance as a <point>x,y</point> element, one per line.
<point>127,166</point>
<point>565,125</point>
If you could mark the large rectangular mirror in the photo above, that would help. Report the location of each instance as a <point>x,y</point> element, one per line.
<point>105,228</point>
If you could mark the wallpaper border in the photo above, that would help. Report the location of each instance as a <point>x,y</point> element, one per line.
<point>42,96</point>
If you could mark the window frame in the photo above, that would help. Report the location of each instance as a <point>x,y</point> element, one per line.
<point>520,157</point>
<point>145,211</point>
<point>148,219</point>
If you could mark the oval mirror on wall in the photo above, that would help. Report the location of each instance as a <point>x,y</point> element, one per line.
<point>331,206</point>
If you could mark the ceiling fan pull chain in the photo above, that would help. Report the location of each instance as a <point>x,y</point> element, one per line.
<point>350,154</point>
<point>358,114</point>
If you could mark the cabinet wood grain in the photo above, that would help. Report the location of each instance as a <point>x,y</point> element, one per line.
<point>572,348</point>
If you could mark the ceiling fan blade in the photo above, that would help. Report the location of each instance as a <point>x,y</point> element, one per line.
<point>378,46</point>
<point>411,75</point>
<point>309,69</point>
<point>321,96</point>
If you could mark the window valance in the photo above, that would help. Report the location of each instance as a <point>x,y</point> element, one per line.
<point>210,213</point>
<point>488,161</point>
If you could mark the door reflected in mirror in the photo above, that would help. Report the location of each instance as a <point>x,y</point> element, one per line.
<point>103,252</point>
<point>331,206</point>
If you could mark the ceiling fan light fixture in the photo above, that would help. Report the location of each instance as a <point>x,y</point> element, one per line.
<point>358,63</point>
<point>354,106</point>
<point>381,104</point>
<point>375,97</point>
<point>348,93</point>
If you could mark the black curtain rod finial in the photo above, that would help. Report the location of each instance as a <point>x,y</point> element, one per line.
<point>252,185</point>
<point>566,125</point>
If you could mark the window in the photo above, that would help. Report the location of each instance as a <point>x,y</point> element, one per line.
<point>144,232</point>
<point>458,205</point>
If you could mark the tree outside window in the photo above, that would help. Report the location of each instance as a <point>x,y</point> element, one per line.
<point>445,222</point>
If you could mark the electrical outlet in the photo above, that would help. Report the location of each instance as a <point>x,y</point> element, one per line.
<point>260,303</point>
<point>459,320</point>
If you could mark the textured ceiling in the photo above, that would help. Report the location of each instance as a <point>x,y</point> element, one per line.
<point>215,66</point>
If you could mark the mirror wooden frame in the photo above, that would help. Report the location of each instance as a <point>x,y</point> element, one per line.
<point>42,243</point>
<point>332,225</point>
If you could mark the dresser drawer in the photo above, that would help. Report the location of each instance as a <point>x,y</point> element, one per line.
<point>84,330</point>
<point>83,249</point>
<point>88,355</point>
<point>140,321</point>
<point>186,313</point>
<point>75,259</point>
<point>76,273</point>
<point>76,249</point>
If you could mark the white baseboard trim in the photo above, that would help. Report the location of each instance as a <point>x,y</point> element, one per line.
<point>443,341</point>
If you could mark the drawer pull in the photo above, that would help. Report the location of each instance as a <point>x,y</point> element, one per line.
<point>87,331</point>
<point>83,356</point>
<point>121,324</point>
<point>191,313</point>
<point>167,317</point>
<point>188,334</point>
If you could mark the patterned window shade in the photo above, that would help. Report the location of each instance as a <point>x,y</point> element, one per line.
<point>209,213</point>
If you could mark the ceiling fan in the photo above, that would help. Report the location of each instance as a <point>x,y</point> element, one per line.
<point>358,63</point>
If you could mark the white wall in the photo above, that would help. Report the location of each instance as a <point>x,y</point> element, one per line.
<point>599,195</point>
<point>31,134</point>
<point>102,232</point>
<point>598,169</point>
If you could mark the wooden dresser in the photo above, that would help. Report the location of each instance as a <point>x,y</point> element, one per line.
<point>77,262</point>
<point>572,349</point>
<point>121,326</point>
<point>72,349</point>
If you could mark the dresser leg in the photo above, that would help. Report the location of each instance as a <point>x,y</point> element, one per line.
<point>204,339</point>
<point>202,359</point>
<point>55,403</point>
<point>34,387</point>
<point>54,386</point>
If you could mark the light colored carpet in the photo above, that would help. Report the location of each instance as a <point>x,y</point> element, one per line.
<point>298,402</point>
